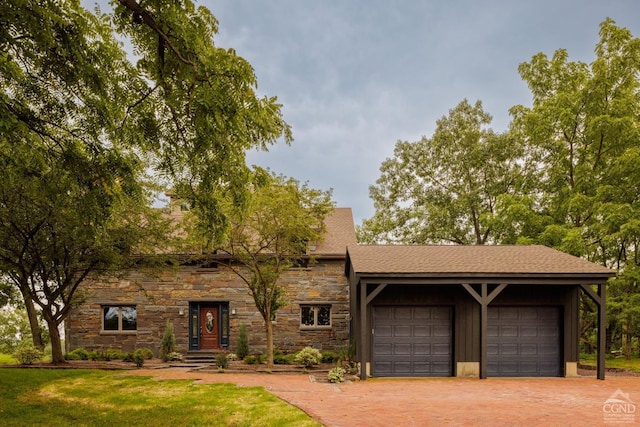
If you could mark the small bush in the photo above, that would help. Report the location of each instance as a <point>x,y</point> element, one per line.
<point>336,375</point>
<point>112,354</point>
<point>138,357</point>
<point>127,357</point>
<point>27,354</point>
<point>81,353</point>
<point>308,357</point>
<point>255,359</point>
<point>146,352</point>
<point>242,349</point>
<point>222,360</point>
<point>232,357</point>
<point>329,357</point>
<point>174,356</point>
<point>168,342</point>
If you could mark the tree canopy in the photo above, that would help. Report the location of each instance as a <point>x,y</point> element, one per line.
<point>444,189</point>
<point>81,124</point>
<point>270,234</point>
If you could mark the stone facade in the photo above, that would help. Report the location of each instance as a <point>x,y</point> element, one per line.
<point>166,296</point>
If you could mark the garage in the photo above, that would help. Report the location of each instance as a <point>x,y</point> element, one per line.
<point>471,311</point>
<point>412,341</point>
<point>524,342</point>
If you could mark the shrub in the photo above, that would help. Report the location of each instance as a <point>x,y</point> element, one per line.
<point>112,354</point>
<point>308,357</point>
<point>174,356</point>
<point>146,352</point>
<point>336,375</point>
<point>27,354</point>
<point>329,357</point>
<point>242,349</point>
<point>138,357</point>
<point>232,357</point>
<point>222,360</point>
<point>81,353</point>
<point>255,359</point>
<point>168,342</point>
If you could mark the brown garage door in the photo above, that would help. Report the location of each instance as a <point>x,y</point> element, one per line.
<point>412,341</point>
<point>523,342</point>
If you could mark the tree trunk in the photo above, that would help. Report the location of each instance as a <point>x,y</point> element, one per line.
<point>57,356</point>
<point>34,324</point>
<point>269,329</point>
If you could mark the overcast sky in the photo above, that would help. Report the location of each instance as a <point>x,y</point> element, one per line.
<point>356,76</point>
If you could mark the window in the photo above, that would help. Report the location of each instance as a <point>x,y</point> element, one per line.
<point>124,318</point>
<point>312,316</point>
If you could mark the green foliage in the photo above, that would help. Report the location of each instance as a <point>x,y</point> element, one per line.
<point>138,357</point>
<point>146,352</point>
<point>330,356</point>
<point>336,375</point>
<point>255,359</point>
<point>242,347</point>
<point>308,357</point>
<point>269,233</point>
<point>444,189</point>
<point>7,359</point>
<point>27,354</point>
<point>280,358</point>
<point>168,343</point>
<point>27,399</point>
<point>14,327</point>
<point>78,354</point>
<point>222,360</point>
<point>80,126</point>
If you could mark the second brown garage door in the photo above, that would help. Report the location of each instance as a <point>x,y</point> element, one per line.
<point>523,342</point>
<point>412,341</point>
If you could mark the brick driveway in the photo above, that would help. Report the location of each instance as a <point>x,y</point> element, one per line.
<point>442,401</point>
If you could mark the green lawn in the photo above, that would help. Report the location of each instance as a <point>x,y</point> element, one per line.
<point>99,398</point>
<point>6,359</point>
<point>618,362</point>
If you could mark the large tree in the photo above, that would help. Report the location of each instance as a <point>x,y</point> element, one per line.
<point>270,234</point>
<point>583,130</point>
<point>79,123</point>
<point>444,189</point>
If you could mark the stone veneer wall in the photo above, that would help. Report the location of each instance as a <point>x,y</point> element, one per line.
<point>160,296</point>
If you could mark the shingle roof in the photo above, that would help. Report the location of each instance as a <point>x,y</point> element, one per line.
<point>450,260</point>
<point>341,232</point>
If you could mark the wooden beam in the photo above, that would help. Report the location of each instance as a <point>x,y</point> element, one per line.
<point>364,331</point>
<point>472,292</point>
<point>375,292</point>
<point>496,292</point>
<point>483,331</point>
<point>602,322</point>
<point>594,296</point>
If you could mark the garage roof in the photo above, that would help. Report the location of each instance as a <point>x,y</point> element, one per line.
<point>466,260</point>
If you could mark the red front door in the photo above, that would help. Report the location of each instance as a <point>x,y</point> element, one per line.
<point>209,327</point>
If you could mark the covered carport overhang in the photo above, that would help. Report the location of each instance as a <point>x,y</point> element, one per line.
<point>484,288</point>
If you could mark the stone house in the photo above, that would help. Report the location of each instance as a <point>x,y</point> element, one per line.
<point>477,311</point>
<point>207,303</point>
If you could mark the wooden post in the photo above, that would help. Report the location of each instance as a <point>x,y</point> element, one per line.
<point>364,331</point>
<point>483,331</point>
<point>602,329</point>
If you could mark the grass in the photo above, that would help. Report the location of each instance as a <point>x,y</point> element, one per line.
<point>7,359</point>
<point>99,398</point>
<point>632,364</point>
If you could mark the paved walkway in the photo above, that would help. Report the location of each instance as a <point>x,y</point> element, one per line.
<point>443,401</point>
